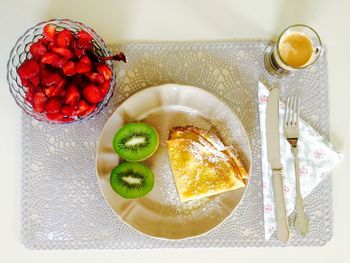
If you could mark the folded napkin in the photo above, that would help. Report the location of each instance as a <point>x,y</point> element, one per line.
<point>317,157</point>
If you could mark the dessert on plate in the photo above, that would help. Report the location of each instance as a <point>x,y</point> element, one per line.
<point>202,165</point>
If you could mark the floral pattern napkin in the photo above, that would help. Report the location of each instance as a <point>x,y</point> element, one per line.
<point>317,157</point>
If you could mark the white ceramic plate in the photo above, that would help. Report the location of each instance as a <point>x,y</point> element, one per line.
<point>161,214</point>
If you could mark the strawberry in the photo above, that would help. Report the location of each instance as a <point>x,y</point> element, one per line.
<point>96,77</point>
<point>92,94</point>
<point>49,32</point>
<point>50,91</point>
<point>43,41</point>
<point>51,45</point>
<point>59,62</point>
<point>92,107</point>
<point>39,101</point>
<point>84,35</point>
<point>67,119</point>
<point>86,60</point>
<point>53,60</point>
<point>82,107</point>
<point>29,97</point>
<point>69,110</point>
<point>62,94</point>
<point>104,70</point>
<point>31,90</point>
<point>35,80</point>
<point>64,38</point>
<point>78,52</point>
<point>51,79</point>
<point>37,49</point>
<point>44,71</point>
<point>55,90</point>
<point>64,52</point>
<point>58,116</point>
<point>84,44</point>
<point>82,68</point>
<point>26,82</point>
<point>61,84</point>
<point>69,68</point>
<point>53,106</point>
<point>104,88</point>
<point>28,69</point>
<point>72,95</point>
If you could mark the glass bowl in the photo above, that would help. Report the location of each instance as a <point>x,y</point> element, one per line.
<point>20,53</point>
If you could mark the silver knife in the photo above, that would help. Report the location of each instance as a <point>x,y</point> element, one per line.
<point>274,158</point>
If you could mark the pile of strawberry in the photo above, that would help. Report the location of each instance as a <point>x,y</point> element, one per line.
<point>63,79</point>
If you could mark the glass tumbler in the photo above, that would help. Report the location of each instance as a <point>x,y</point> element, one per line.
<point>297,47</point>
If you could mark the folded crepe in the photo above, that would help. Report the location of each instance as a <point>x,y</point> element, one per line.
<point>202,165</point>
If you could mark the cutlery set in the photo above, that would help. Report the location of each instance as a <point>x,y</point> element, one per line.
<point>291,134</point>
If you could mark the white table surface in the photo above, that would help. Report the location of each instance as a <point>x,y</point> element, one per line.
<point>136,20</point>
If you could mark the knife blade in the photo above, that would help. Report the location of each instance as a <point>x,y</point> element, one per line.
<point>274,158</point>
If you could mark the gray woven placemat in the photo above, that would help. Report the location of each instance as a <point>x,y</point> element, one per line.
<point>62,207</point>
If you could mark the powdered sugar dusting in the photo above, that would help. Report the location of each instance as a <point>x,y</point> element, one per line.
<point>165,191</point>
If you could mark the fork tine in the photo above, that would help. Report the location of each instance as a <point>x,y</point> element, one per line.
<point>295,114</point>
<point>287,112</point>
<point>291,110</point>
<point>298,105</point>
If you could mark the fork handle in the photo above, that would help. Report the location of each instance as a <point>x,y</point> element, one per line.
<point>303,222</point>
<point>282,231</point>
<point>299,204</point>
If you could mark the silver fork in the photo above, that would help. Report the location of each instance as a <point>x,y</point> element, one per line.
<point>291,130</point>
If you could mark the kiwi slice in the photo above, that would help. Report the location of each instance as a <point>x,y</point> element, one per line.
<point>135,142</point>
<point>132,180</point>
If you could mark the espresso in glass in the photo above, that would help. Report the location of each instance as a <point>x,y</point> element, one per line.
<point>297,47</point>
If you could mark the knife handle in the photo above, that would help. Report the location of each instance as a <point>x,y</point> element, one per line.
<point>280,206</point>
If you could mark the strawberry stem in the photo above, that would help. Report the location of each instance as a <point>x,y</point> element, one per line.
<point>117,57</point>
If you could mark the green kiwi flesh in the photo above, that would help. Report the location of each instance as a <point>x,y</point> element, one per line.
<point>135,142</point>
<point>132,180</point>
